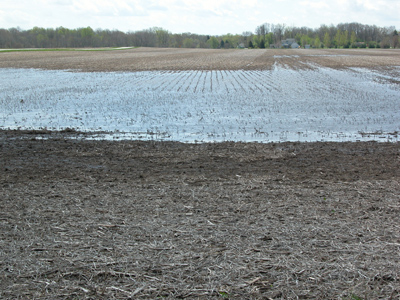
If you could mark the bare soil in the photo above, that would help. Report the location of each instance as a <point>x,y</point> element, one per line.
<point>84,219</point>
<point>145,59</point>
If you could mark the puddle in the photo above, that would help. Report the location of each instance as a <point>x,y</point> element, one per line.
<point>203,106</point>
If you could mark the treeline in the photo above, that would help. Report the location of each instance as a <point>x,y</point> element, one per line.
<point>347,35</point>
<point>344,35</point>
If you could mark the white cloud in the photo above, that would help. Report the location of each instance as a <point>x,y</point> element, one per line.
<point>314,4</point>
<point>203,17</point>
<point>106,8</point>
<point>57,2</point>
<point>370,5</point>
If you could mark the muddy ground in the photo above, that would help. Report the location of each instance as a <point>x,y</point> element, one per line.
<point>150,59</point>
<point>84,219</point>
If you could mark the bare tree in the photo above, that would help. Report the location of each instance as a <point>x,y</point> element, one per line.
<point>279,31</point>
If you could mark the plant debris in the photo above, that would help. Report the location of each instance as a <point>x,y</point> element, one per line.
<point>144,220</point>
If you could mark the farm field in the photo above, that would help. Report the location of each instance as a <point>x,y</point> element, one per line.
<point>152,212</point>
<point>156,59</point>
<point>274,98</point>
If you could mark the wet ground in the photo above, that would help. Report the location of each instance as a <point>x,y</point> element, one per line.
<point>130,219</point>
<point>155,59</point>
<point>87,219</point>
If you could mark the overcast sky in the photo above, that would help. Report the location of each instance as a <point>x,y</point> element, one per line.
<point>214,17</point>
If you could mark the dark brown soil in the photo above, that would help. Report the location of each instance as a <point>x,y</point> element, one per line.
<point>84,219</point>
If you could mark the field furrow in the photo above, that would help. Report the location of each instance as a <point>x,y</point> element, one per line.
<point>200,174</point>
<point>280,104</point>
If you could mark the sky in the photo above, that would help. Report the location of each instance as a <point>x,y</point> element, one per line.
<point>212,17</point>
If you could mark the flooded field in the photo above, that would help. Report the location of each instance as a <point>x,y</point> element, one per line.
<point>281,104</point>
<point>142,219</point>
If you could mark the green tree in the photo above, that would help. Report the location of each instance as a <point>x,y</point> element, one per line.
<point>269,39</point>
<point>162,36</point>
<point>42,40</point>
<point>337,38</point>
<point>353,38</point>
<point>256,41</point>
<point>61,34</point>
<point>5,39</point>
<point>86,36</point>
<point>86,32</point>
<point>231,41</point>
<point>262,43</point>
<point>317,42</point>
<point>188,43</point>
<point>327,40</point>
<point>305,40</point>
<point>344,39</point>
<point>213,42</point>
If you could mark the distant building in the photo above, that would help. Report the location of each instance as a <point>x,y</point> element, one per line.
<point>307,46</point>
<point>294,45</point>
<point>288,43</point>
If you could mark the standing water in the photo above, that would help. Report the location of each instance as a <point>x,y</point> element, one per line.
<point>201,106</point>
